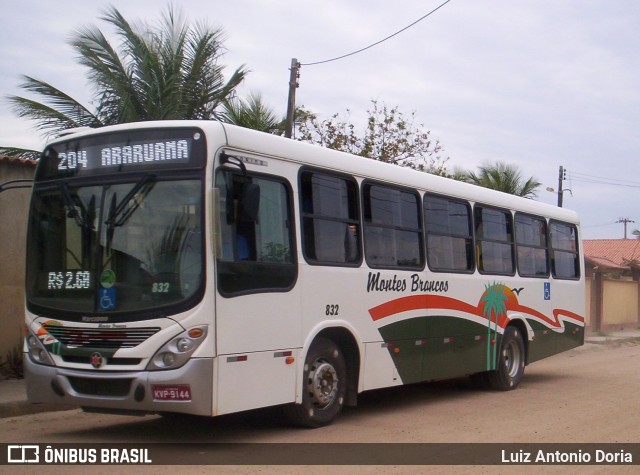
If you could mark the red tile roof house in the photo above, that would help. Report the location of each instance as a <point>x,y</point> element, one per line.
<point>613,283</point>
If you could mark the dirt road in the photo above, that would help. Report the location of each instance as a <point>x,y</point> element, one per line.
<point>587,395</point>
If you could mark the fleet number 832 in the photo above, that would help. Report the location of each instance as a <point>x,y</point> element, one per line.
<point>332,310</point>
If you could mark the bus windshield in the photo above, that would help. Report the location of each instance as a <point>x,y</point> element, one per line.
<point>115,248</point>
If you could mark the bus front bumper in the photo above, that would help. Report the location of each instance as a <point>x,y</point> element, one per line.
<point>184,390</point>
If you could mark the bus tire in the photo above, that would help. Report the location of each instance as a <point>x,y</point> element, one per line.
<point>324,386</point>
<point>511,362</point>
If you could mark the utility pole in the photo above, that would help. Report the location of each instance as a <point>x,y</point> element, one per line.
<point>625,221</point>
<point>562,175</point>
<point>291,103</point>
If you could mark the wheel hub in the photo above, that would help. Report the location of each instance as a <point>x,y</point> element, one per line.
<point>511,355</point>
<point>322,384</point>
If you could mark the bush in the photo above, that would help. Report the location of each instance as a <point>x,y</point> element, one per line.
<point>11,367</point>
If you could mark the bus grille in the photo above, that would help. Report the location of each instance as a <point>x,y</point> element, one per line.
<point>101,387</point>
<point>76,337</point>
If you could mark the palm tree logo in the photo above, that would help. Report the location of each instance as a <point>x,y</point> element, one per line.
<point>493,303</point>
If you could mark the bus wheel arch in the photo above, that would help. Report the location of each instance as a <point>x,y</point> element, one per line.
<point>330,379</point>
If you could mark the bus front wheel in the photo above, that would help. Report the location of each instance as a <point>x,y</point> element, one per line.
<point>324,386</point>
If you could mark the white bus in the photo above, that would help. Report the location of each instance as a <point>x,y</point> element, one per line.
<point>200,268</point>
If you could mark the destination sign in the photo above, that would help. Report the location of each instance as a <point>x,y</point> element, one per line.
<point>134,150</point>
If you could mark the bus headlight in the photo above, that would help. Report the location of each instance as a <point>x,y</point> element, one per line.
<point>184,344</point>
<point>177,351</point>
<point>37,352</point>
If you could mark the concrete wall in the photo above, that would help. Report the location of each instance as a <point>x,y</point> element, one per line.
<point>588,299</point>
<point>620,303</point>
<point>13,225</point>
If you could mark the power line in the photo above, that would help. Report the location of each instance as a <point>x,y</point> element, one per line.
<point>600,225</point>
<point>295,70</point>
<point>586,175</point>
<point>378,42</point>
<point>586,178</point>
<point>602,182</point>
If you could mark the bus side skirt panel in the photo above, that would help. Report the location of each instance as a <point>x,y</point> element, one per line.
<point>252,380</point>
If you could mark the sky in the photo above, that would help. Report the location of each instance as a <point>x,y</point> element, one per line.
<point>535,83</point>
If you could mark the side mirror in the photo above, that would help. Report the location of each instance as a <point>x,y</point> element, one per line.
<point>250,202</point>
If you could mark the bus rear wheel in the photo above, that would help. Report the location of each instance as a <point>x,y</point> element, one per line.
<point>511,360</point>
<point>324,386</point>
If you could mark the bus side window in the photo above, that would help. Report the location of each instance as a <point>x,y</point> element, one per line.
<point>449,234</point>
<point>494,240</point>
<point>256,234</point>
<point>392,227</point>
<point>330,223</point>
<point>565,262</point>
<point>531,246</point>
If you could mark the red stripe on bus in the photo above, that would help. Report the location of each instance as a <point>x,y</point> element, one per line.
<point>430,302</point>
<point>419,302</point>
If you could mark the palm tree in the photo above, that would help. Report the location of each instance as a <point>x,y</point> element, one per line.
<point>167,72</point>
<point>253,114</point>
<point>504,177</point>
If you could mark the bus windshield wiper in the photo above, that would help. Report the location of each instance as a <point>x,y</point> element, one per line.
<point>114,220</point>
<point>72,205</point>
<point>116,216</point>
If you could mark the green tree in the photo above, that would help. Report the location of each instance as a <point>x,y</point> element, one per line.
<point>389,136</point>
<point>167,71</point>
<point>252,113</point>
<point>504,177</point>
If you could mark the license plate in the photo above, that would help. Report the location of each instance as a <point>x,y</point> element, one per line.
<point>180,392</point>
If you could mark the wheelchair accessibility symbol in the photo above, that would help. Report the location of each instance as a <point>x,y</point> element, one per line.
<point>547,291</point>
<point>107,299</point>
